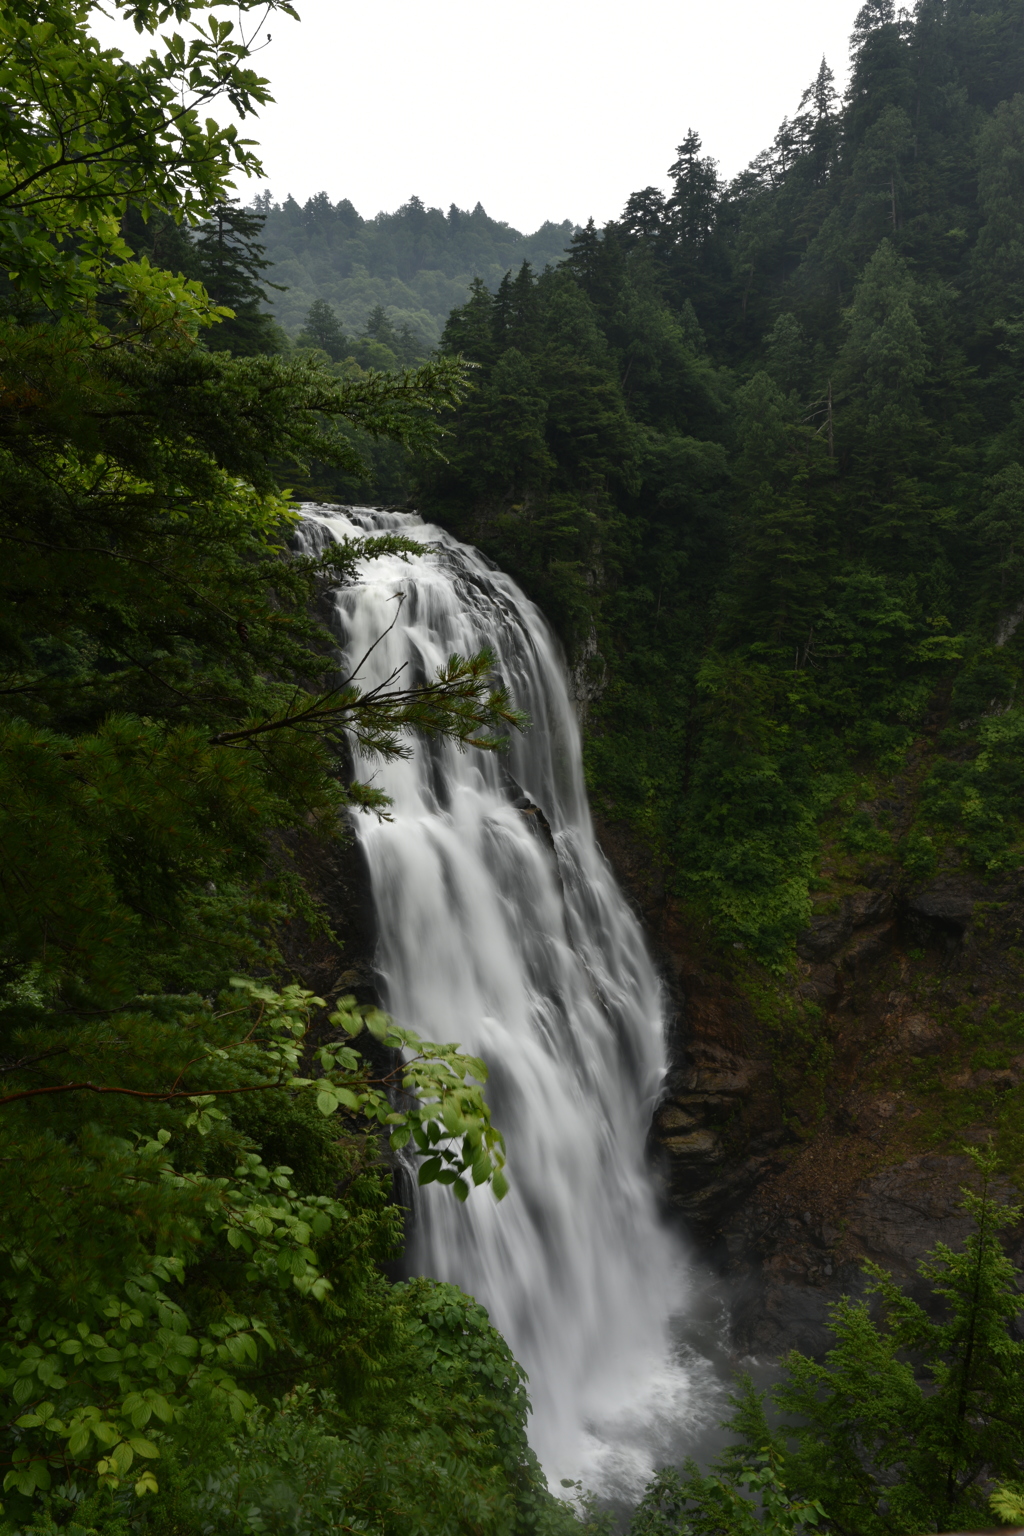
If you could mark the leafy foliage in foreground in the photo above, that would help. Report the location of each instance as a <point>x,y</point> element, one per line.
<point>756,448</point>
<point>906,1425</point>
<point>196,1331</point>
<point>115,1337</point>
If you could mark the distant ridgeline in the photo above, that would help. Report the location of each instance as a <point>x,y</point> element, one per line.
<point>758,449</point>
<point>416,264</point>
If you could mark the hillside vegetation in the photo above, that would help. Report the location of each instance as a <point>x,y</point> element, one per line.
<point>416,263</point>
<point>757,449</point>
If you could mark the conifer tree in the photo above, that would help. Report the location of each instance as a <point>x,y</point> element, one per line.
<point>818,130</point>
<point>469,331</point>
<point>323,329</point>
<point>695,187</point>
<point>644,214</point>
<point>230,266</point>
<point>883,361</point>
<point>999,253</point>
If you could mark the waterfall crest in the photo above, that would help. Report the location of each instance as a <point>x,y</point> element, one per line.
<point>502,927</point>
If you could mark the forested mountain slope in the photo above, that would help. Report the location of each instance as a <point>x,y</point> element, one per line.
<point>758,449</point>
<point>767,439</point>
<point>416,263</point>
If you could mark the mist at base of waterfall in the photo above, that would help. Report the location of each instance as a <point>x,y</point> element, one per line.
<point>675,1404</point>
<point>501,926</point>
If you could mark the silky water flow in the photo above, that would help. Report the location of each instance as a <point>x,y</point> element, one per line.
<point>515,941</point>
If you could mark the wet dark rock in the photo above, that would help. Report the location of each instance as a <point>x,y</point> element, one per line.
<point>536,819</point>
<point>868,946</point>
<point>528,808</point>
<point>706,1104</point>
<point>341,960</point>
<point>919,1035</point>
<point>822,984</point>
<point>946,913</point>
<point>830,931</point>
<point>824,936</point>
<point>893,1218</point>
<point>950,901</point>
<point>869,906</point>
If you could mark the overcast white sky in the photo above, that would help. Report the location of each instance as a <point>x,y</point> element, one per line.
<point>539,109</point>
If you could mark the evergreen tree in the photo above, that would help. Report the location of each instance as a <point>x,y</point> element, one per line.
<point>786,353</point>
<point>322,330</point>
<point>469,331</point>
<point>884,359</point>
<point>644,214</point>
<point>695,188</point>
<point>401,343</point>
<point>230,263</point>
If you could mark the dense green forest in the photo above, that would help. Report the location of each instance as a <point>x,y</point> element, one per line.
<point>198,1332</point>
<point>416,264</point>
<point>756,449</point>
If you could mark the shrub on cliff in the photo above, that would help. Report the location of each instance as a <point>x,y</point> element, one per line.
<point>904,1427</point>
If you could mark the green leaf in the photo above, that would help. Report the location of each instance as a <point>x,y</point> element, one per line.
<point>453,1120</point>
<point>78,1439</point>
<point>377,1023</point>
<point>161,1407</point>
<point>121,1457</point>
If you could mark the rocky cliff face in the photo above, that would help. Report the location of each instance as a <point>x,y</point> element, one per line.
<point>816,1121</point>
<point>337,959</point>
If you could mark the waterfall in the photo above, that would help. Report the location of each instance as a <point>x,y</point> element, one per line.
<point>501,926</point>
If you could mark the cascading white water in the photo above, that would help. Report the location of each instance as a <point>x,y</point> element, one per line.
<point>521,947</point>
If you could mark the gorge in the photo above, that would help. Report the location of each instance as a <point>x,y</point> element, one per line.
<point>741,935</point>
<point>500,924</point>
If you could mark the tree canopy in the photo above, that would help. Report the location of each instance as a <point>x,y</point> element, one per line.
<point>754,446</point>
<point>196,1184</point>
